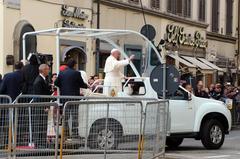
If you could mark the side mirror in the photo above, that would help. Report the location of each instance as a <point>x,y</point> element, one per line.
<point>189,96</point>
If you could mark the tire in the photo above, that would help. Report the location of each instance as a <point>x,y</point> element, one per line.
<point>97,134</point>
<point>212,134</point>
<point>174,142</point>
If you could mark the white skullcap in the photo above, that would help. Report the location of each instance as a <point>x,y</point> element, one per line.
<point>114,50</point>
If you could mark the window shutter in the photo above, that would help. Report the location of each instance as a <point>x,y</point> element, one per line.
<point>155,4</point>
<point>215,14</point>
<point>202,6</point>
<point>179,7</point>
<point>229,17</point>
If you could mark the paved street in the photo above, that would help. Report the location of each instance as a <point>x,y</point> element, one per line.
<point>192,149</point>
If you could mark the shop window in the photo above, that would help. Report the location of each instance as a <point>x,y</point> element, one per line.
<point>180,7</point>
<point>215,15</point>
<point>137,61</point>
<point>202,10</point>
<point>155,4</point>
<point>229,17</point>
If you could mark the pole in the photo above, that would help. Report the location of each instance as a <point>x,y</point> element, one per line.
<point>238,43</point>
<point>97,40</point>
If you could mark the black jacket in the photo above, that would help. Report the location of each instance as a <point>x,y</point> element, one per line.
<point>41,86</point>
<point>12,84</point>
<point>30,73</point>
<point>69,82</point>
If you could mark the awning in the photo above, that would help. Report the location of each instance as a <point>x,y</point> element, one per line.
<point>211,64</point>
<point>181,60</point>
<point>197,63</point>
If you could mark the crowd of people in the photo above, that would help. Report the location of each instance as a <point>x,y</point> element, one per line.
<point>35,78</point>
<point>215,91</point>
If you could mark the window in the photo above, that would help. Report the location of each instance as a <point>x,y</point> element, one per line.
<point>155,4</point>
<point>202,8</point>
<point>13,3</point>
<point>229,17</point>
<point>134,1</point>
<point>180,7</point>
<point>215,15</point>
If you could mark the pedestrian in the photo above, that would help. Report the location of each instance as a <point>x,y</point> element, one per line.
<point>30,72</point>
<point>12,82</point>
<point>53,87</point>
<point>0,79</point>
<point>218,92</point>
<point>211,89</point>
<point>11,86</point>
<point>69,82</point>
<point>199,91</point>
<point>113,74</point>
<point>41,86</point>
<point>188,87</point>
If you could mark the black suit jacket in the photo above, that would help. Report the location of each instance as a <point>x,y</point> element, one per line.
<point>12,84</point>
<point>69,82</point>
<point>41,86</point>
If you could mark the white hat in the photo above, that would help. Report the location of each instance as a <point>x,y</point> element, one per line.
<point>114,50</point>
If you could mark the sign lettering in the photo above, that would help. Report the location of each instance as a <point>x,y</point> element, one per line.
<point>176,34</point>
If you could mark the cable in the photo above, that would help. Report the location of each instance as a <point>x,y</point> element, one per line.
<point>144,17</point>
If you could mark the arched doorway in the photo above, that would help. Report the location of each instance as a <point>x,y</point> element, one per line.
<point>76,53</point>
<point>22,27</point>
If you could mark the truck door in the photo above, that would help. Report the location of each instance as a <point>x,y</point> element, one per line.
<point>182,112</point>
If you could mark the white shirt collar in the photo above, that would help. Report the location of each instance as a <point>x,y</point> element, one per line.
<point>42,76</point>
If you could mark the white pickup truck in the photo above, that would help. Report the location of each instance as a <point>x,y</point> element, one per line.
<point>203,119</point>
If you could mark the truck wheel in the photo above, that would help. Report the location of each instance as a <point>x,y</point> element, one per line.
<point>174,142</point>
<point>212,134</point>
<point>97,138</point>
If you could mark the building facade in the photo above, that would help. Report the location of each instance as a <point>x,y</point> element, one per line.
<point>200,35</point>
<point>20,16</point>
<point>202,29</point>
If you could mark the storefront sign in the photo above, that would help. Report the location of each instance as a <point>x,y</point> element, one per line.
<point>73,12</point>
<point>176,34</point>
<point>71,24</point>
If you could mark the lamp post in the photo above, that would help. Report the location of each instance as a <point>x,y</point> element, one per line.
<point>97,40</point>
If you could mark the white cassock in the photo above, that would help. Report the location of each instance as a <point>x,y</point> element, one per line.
<point>113,75</point>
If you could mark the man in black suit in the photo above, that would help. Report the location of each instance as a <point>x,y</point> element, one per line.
<point>12,82</point>
<point>69,82</point>
<point>11,86</point>
<point>41,86</point>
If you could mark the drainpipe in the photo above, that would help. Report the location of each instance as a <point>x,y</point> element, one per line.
<point>97,40</point>
<point>237,83</point>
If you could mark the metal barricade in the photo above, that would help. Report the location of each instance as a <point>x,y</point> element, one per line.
<point>93,127</point>
<point>236,113</point>
<point>5,125</point>
<point>105,128</point>
<point>155,129</point>
<point>23,145</point>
